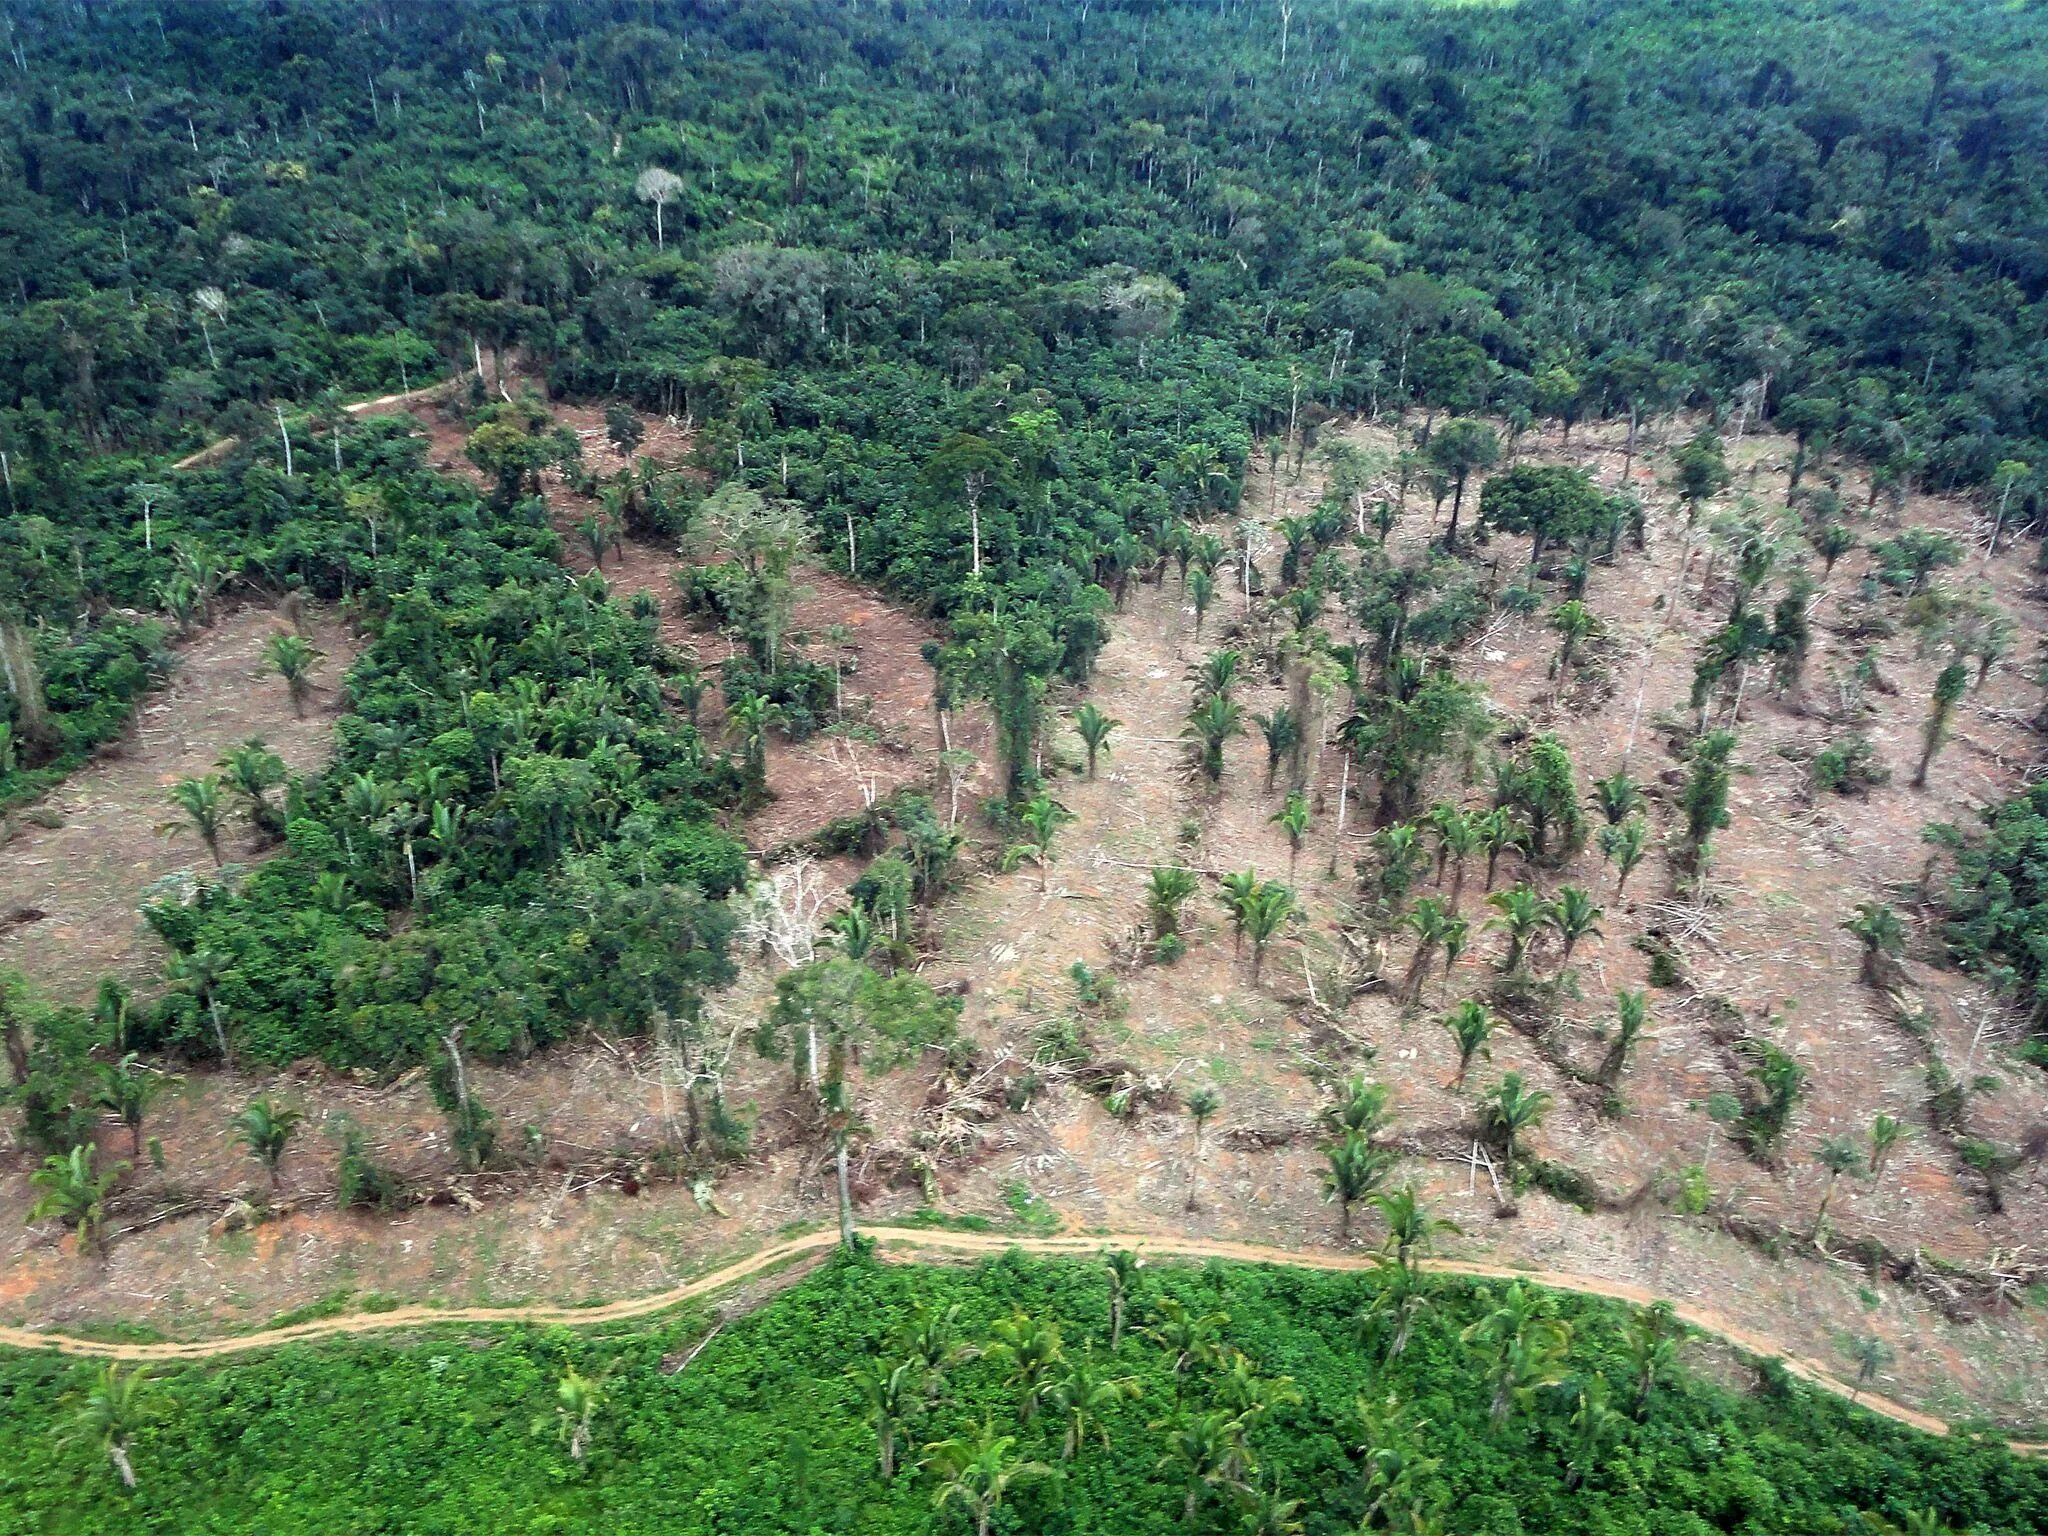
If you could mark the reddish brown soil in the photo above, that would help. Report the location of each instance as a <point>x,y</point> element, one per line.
<point>1785,875</point>
<point>88,873</point>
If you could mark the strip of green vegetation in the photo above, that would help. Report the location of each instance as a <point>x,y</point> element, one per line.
<point>1236,1398</point>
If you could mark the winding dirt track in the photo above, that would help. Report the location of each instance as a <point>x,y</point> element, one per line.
<point>901,1242</point>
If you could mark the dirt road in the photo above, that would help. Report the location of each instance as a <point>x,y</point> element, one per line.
<point>904,1243</point>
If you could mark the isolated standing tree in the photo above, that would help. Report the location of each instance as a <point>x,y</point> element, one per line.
<point>1838,1155</point>
<point>70,1189</point>
<point>1870,1355</point>
<point>1470,1026</point>
<point>1266,913</point>
<point>1574,623</point>
<point>1202,1103</point>
<point>1094,728</point>
<point>1201,593</point>
<point>1623,846</point>
<point>1041,817</point>
<point>1282,732</point>
<point>1210,726</point>
<point>126,1089</point>
<point>265,1129</point>
<point>293,658</point>
<point>1523,913</point>
<point>1886,1133</point>
<point>1510,1108</point>
<point>1705,798</point>
<point>1356,1168</point>
<point>1883,938</point>
<point>1631,1013</point>
<point>1293,819</point>
<point>659,187</point>
<point>1433,923</point>
<point>1575,917</point>
<point>1948,692</point>
<point>1459,447</point>
<point>204,807</point>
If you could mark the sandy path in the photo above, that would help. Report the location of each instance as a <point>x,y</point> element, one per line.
<point>1160,1245</point>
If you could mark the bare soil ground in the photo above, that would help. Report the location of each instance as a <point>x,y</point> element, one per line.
<point>86,875</point>
<point>1767,940</point>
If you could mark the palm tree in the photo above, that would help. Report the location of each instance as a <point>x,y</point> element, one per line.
<point>1838,1155</point>
<point>1201,593</point>
<point>126,1089</point>
<point>252,771</point>
<point>1189,1338</point>
<point>293,657</point>
<point>1361,1107</point>
<point>1883,937</point>
<point>1510,1108</point>
<point>1617,797</point>
<point>1525,1345</point>
<point>1236,892</point>
<point>1411,1230</point>
<point>1166,892</point>
<point>1631,1012</point>
<point>69,1189</point>
<point>199,976</point>
<point>1263,1512</point>
<point>1653,1334</point>
<point>266,1130</point>
<point>749,718</point>
<point>1082,1396</point>
<point>577,1398</point>
<point>1574,622</point>
<point>1272,904</point>
<point>1522,914</point>
<point>1216,676</point>
<point>1204,1448</point>
<point>1283,733</point>
<point>1575,917</point>
<point>111,1411</point>
<point>1885,1134</point>
<point>1042,817</point>
<point>1457,839</point>
<point>978,1474</point>
<point>1094,728</point>
<point>1394,1465</point>
<point>1123,1267</point>
<point>1870,1355</point>
<point>1497,831</point>
<point>1202,1103</point>
<point>1470,1026</point>
<point>1949,688</point>
<point>200,800</point>
<point>1210,725</point>
<point>1594,1427</point>
<point>1292,818</point>
<point>1029,1352</point>
<point>1623,846</point>
<point>894,1396</point>
<point>1357,1168</point>
<point>1432,921</point>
